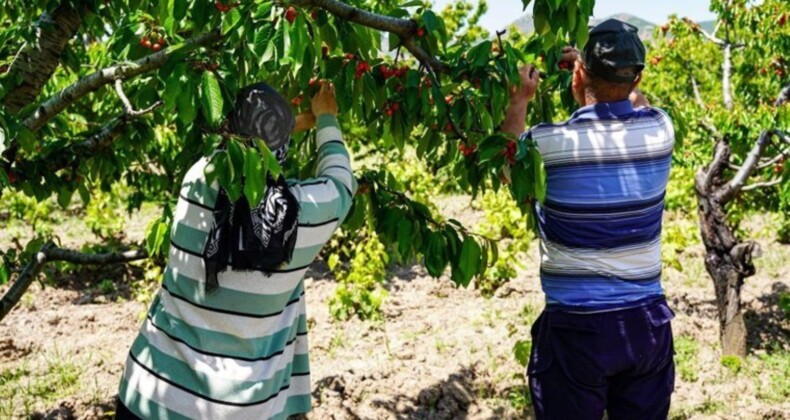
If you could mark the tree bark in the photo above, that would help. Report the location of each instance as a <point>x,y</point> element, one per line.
<point>48,253</point>
<point>727,260</point>
<point>35,63</point>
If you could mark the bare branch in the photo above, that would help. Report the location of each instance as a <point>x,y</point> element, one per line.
<point>732,188</point>
<point>695,88</point>
<point>49,253</point>
<point>766,184</point>
<point>711,37</point>
<point>405,29</point>
<point>726,76</point>
<point>774,160</point>
<point>128,109</point>
<point>784,96</point>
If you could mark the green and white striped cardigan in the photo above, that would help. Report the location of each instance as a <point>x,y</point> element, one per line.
<point>240,352</point>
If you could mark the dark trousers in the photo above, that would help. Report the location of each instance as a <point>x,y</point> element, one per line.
<point>620,362</point>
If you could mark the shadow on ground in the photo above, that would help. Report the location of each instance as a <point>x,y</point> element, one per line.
<point>767,327</point>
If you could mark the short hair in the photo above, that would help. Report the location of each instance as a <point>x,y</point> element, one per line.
<point>606,91</point>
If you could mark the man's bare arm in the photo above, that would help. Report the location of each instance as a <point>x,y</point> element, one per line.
<point>516,117</point>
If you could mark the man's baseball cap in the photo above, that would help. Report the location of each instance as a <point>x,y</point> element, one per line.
<point>614,51</point>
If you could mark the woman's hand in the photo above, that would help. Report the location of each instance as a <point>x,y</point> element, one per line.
<point>325,101</point>
<point>304,121</point>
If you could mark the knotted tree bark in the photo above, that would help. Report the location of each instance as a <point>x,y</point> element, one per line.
<point>728,260</point>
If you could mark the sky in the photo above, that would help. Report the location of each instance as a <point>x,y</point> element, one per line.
<point>502,12</point>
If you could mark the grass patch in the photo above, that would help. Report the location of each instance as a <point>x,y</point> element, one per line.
<point>686,358</point>
<point>708,407</point>
<point>25,389</point>
<point>776,388</point>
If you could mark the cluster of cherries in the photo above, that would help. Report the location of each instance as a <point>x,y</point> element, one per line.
<point>388,72</point>
<point>391,108</point>
<point>225,8</point>
<point>153,45</point>
<point>467,150</point>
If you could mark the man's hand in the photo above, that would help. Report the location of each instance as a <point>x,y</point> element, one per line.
<point>325,101</point>
<point>304,121</point>
<point>530,77</point>
<point>569,57</point>
<point>515,120</point>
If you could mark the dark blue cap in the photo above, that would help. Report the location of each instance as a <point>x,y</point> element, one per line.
<point>614,51</point>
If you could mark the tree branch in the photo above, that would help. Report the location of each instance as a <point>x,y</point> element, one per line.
<point>35,62</point>
<point>765,184</point>
<point>50,253</point>
<point>774,160</point>
<point>706,176</point>
<point>94,81</point>
<point>405,29</point>
<point>695,88</point>
<point>732,188</point>
<point>784,96</point>
<point>726,76</point>
<point>54,105</point>
<point>128,109</point>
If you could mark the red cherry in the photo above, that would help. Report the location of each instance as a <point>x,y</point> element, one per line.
<point>156,47</point>
<point>350,56</point>
<point>11,178</point>
<point>564,65</point>
<point>448,99</point>
<point>161,41</point>
<point>290,14</point>
<point>420,32</point>
<point>147,43</point>
<point>297,100</point>
<point>395,107</point>
<point>782,19</point>
<point>312,82</point>
<point>389,112</point>
<point>314,15</point>
<point>449,127</point>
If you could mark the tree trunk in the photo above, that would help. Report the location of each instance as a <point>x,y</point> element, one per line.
<point>35,63</point>
<point>727,260</point>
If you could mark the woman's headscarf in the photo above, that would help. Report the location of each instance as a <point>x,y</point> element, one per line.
<point>261,237</point>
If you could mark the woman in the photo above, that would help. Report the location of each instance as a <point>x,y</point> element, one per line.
<point>225,340</point>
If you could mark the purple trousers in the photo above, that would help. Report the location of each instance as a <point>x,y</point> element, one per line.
<point>620,362</point>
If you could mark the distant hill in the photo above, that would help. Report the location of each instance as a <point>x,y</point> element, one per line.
<point>645,27</point>
<point>526,25</point>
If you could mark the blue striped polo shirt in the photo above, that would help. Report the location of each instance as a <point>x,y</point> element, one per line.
<point>607,169</point>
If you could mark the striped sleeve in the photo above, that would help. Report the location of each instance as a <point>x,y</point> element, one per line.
<point>329,195</point>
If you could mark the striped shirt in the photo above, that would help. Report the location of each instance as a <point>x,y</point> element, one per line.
<point>607,169</point>
<point>240,352</point>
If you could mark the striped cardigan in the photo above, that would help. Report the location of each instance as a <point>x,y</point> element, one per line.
<point>240,352</point>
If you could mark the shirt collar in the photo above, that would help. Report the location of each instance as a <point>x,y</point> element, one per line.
<point>604,110</point>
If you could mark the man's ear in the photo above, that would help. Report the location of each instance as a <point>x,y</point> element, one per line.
<point>637,81</point>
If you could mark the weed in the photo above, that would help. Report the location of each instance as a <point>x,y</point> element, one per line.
<point>686,362</point>
<point>732,363</point>
<point>777,387</point>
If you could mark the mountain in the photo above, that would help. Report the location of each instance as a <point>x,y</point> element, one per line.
<point>525,24</point>
<point>645,27</point>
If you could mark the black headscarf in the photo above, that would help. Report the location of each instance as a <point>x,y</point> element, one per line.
<point>261,237</point>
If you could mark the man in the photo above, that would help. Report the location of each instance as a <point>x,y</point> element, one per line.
<point>604,341</point>
<point>226,336</point>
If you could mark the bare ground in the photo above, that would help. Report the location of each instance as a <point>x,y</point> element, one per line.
<point>440,352</point>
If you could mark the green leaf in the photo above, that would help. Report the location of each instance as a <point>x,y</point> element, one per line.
<point>4,273</point>
<point>254,176</point>
<point>469,260</point>
<point>26,139</point>
<point>405,238</point>
<point>263,11</point>
<point>211,99</point>
<point>270,163</point>
<point>539,173</point>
